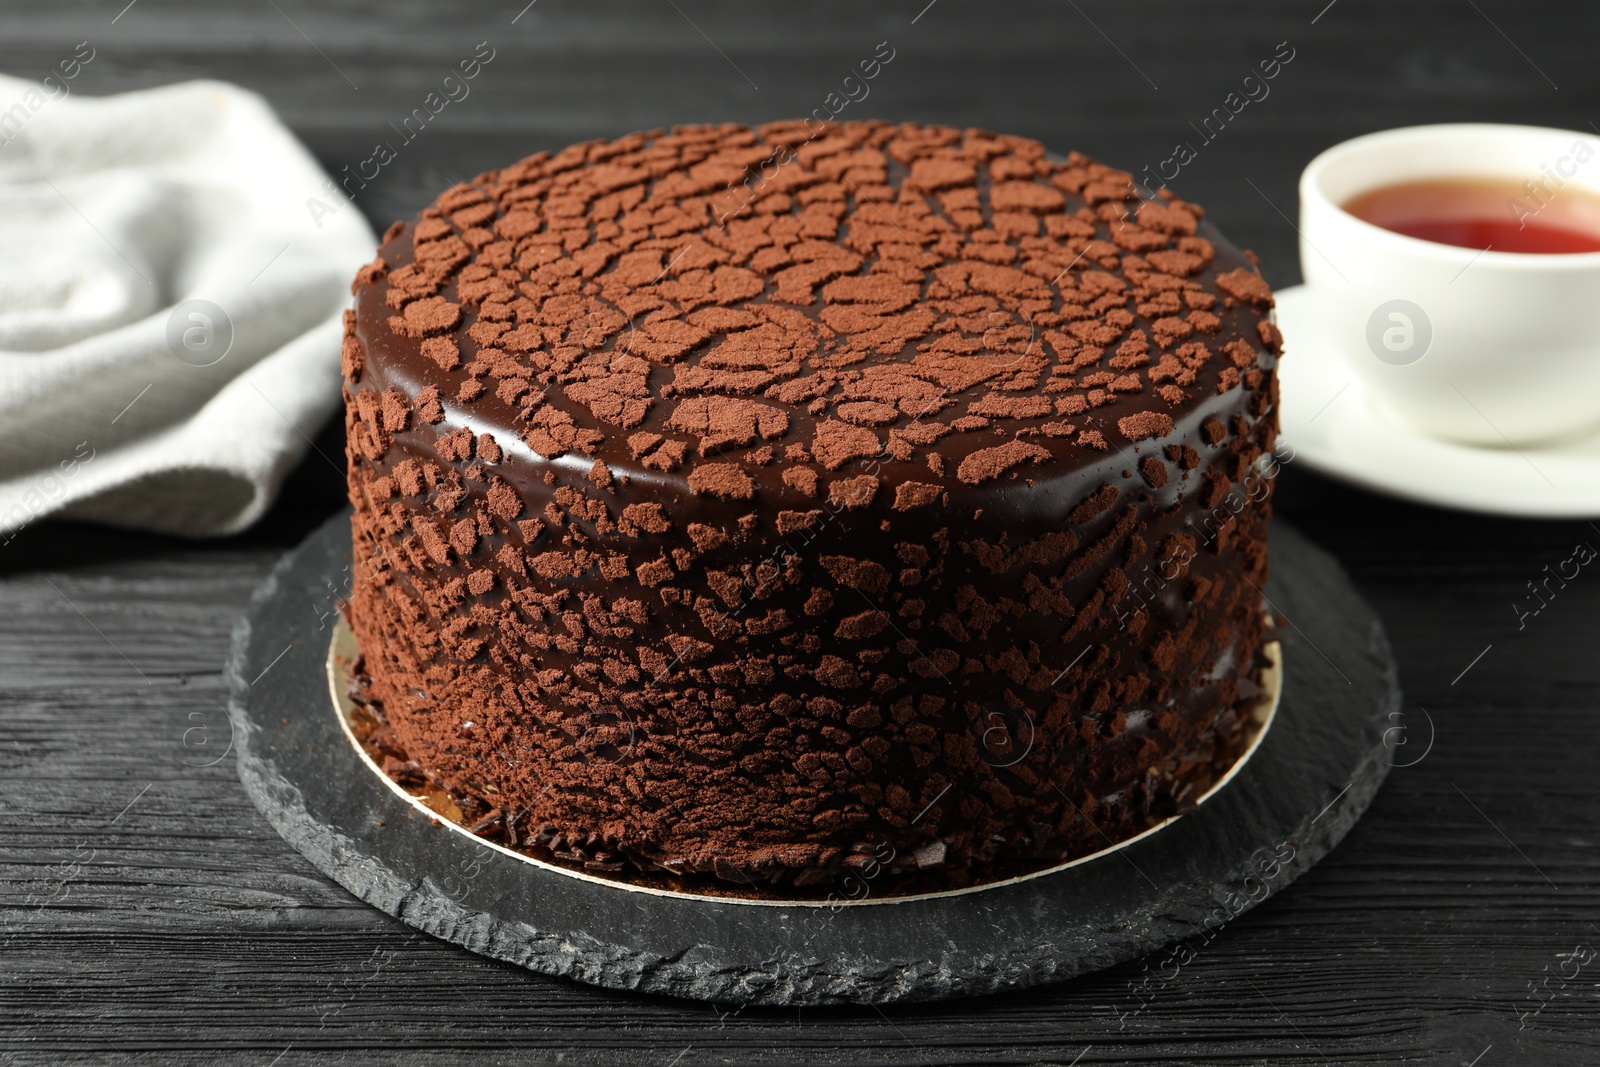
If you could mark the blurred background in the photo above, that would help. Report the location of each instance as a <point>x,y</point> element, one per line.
<point>1125,82</point>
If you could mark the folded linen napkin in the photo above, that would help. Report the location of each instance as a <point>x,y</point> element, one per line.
<point>173,270</point>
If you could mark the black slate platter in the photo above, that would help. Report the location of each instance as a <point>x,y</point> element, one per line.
<point>1312,776</point>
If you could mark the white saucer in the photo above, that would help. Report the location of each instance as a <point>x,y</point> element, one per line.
<point>1332,426</point>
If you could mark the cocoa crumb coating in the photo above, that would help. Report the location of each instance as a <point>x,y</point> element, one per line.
<point>768,502</point>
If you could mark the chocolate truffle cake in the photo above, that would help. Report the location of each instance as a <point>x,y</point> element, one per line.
<point>772,503</point>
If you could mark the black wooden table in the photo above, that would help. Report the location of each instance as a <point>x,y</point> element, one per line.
<point>149,915</point>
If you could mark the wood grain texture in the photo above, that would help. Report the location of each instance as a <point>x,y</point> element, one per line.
<point>149,915</point>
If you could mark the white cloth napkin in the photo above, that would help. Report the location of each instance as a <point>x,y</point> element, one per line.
<point>173,268</point>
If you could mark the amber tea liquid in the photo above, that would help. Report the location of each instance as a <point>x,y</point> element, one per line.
<point>1487,213</point>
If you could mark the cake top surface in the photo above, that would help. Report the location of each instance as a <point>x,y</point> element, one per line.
<point>712,300</point>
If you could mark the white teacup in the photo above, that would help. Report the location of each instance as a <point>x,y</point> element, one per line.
<point>1488,348</point>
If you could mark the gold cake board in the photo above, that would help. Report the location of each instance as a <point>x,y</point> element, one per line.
<point>344,651</point>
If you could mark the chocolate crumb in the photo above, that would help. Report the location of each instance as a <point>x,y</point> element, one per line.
<point>1145,424</point>
<point>989,463</point>
<point>725,480</point>
<point>854,492</point>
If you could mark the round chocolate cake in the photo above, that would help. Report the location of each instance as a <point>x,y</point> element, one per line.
<point>774,503</point>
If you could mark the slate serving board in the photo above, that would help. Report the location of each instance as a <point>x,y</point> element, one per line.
<point>1314,773</point>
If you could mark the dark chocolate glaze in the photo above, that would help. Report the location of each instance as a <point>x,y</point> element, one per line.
<point>1057,672</point>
